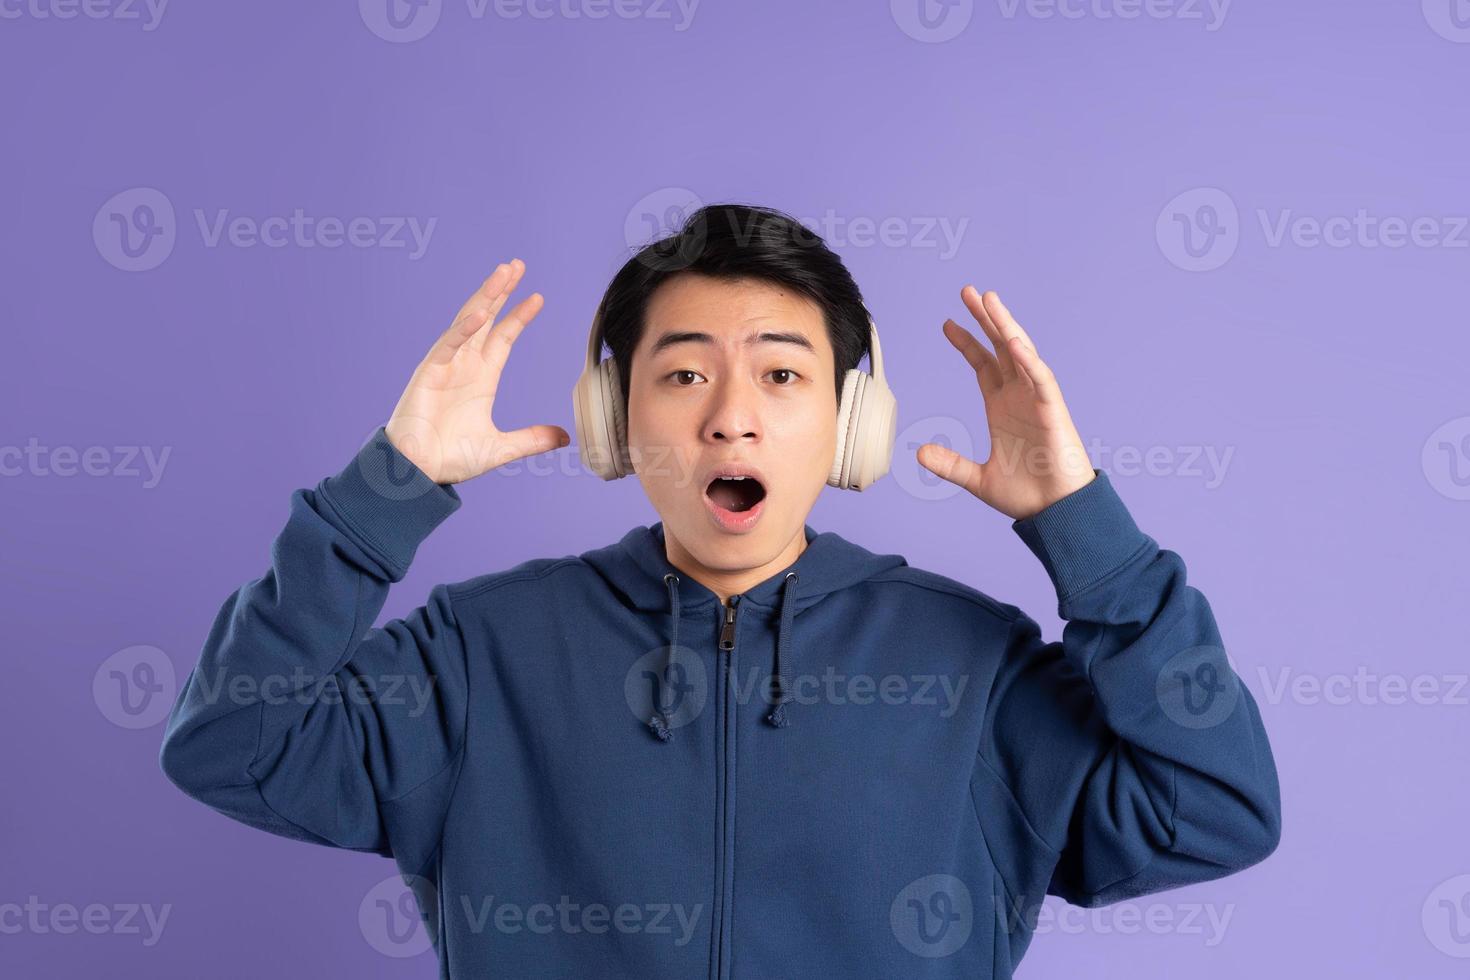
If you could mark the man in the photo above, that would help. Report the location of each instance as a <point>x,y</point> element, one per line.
<point>728,745</point>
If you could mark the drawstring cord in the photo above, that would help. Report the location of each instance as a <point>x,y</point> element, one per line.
<point>777,716</point>
<point>659,724</point>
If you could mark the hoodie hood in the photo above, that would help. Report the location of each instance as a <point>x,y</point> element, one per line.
<point>637,567</point>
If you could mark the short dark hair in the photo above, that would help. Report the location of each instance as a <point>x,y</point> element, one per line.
<point>732,242</point>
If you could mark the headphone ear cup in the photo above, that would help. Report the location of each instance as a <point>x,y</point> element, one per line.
<point>866,430</point>
<point>877,429</point>
<point>846,430</point>
<point>597,411</point>
<point>612,394</point>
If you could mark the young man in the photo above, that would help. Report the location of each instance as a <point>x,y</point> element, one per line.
<point>592,777</point>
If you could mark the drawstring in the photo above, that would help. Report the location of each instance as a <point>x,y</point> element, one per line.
<point>659,724</point>
<point>777,715</point>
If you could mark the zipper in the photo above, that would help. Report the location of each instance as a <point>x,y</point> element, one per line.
<point>726,769</point>
<point>727,633</point>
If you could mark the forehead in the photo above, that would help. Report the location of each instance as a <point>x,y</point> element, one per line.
<point>731,313</point>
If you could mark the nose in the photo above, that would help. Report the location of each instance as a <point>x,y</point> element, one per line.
<point>734,414</point>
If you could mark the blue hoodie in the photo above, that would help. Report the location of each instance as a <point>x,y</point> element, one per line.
<point>586,766</point>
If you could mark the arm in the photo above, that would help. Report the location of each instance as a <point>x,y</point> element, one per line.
<point>1131,748</point>
<point>301,719</point>
<point>1128,758</point>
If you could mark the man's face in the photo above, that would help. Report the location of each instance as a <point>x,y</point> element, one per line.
<point>756,390</point>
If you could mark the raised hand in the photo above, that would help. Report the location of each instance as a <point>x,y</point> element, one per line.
<point>1036,455</point>
<point>442,422</point>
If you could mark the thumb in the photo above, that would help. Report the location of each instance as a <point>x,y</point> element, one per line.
<point>531,440</point>
<point>949,465</point>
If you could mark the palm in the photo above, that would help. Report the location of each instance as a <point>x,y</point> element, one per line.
<point>443,422</point>
<point>1036,455</point>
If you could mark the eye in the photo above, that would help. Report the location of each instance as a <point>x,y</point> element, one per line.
<point>784,371</point>
<point>676,374</point>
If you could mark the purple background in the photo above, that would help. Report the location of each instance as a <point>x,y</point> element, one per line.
<point>1330,544</point>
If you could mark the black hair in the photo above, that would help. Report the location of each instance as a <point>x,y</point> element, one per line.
<point>732,242</point>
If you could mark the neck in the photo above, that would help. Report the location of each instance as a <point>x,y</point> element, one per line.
<point>727,582</point>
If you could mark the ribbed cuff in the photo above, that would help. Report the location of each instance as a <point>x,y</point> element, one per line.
<point>390,503</point>
<point>1082,537</point>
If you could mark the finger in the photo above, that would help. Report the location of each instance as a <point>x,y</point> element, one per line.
<point>471,317</point>
<point>1001,316</point>
<point>987,368</point>
<point>1043,381</point>
<point>531,440</point>
<point>949,465</point>
<point>976,305</point>
<point>518,269</point>
<point>504,333</point>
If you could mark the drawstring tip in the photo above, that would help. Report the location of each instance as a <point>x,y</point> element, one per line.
<point>777,717</point>
<point>656,723</point>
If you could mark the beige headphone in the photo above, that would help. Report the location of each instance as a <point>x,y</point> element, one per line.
<point>866,419</point>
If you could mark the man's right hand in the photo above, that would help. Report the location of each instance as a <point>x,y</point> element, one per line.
<point>442,423</point>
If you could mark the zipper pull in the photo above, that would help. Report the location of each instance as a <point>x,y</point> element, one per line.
<point>727,632</point>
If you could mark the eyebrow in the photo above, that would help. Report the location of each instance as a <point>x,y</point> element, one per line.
<point>695,336</point>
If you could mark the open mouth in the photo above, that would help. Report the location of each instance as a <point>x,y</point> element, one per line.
<point>735,494</point>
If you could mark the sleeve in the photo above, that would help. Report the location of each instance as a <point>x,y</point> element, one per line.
<point>303,720</point>
<point>1134,754</point>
